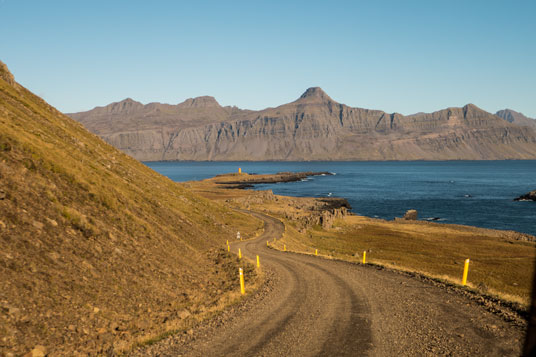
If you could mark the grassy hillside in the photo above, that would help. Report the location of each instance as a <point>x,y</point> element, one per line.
<point>97,250</point>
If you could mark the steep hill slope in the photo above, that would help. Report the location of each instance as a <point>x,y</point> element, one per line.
<point>314,127</point>
<point>512,116</point>
<point>98,251</point>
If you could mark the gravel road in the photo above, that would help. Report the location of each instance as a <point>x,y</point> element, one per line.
<point>311,306</point>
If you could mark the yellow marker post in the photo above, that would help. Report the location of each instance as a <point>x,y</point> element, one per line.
<point>365,257</point>
<point>242,287</point>
<point>267,244</point>
<point>258,262</point>
<point>465,272</point>
<point>228,248</point>
<point>316,251</point>
<point>239,254</point>
<point>284,247</point>
<point>227,241</point>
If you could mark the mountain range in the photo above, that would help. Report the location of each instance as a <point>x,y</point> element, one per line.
<point>313,127</point>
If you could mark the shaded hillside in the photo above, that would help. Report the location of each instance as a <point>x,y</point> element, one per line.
<point>314,127</point>
<point>512,116</point>
<point>98,250</point>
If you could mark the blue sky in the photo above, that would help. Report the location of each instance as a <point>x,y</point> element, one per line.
<point>397,56</point>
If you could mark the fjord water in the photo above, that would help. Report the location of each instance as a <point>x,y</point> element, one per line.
<point>476,193</point>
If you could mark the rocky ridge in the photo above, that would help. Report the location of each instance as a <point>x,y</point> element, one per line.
<point>306,212</point>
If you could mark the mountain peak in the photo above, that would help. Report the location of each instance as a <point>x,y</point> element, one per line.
<point>518,118</point>
<point>315,93</point>
<point>200,102</point>
<point>471,109</point>
<point>126,105</point>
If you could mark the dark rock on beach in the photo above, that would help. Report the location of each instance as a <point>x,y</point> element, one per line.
<point>531,196</point>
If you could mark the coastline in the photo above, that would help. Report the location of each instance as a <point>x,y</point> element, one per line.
<point>503,260</point>
<point>456,192</point>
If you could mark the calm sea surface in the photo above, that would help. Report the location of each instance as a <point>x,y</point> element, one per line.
<point>476,193</point>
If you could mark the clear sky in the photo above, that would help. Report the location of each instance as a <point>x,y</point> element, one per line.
<point>397,56</point>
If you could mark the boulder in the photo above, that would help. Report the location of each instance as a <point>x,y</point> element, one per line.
<point>38,351</point>
<point>411,215</point>
<point>531,196</point>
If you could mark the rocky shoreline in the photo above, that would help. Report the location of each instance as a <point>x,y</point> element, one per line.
<point>311,211</point>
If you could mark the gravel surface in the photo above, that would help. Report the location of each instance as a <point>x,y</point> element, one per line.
<point>311,306</point>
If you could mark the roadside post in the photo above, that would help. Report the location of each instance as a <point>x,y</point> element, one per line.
<point>365,257</point>
<point>242,285</point>
<point>465,272</point>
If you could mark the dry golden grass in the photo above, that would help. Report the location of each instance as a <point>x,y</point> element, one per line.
<point>97,249</point>
<point>499,265</point>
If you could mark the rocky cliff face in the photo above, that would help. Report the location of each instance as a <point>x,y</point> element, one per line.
<point>314,127</point>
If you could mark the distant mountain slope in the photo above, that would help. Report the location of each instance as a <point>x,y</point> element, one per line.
<point>130,114</point>
<point>314,127</point>
<point>512,116</point>
<point>97,250</point>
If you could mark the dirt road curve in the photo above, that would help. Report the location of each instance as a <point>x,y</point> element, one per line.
<point>316,307</point>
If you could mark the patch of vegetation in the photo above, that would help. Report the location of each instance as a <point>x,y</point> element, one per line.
<point>499,265</point>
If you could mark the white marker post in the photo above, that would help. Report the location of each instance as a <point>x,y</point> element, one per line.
<point>238,237</point>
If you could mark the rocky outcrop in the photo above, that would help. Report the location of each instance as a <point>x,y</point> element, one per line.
<point>531,196</point>
<point>314,127</point>
<point>6,75</point>
<point>411,215</point>
<point>323,212</point>
<point>328,216</point>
